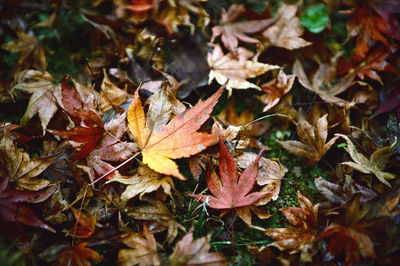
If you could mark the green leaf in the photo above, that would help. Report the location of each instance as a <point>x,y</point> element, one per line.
<point>316,18</point>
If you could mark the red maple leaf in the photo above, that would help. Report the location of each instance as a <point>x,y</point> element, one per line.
<point>231,191</point>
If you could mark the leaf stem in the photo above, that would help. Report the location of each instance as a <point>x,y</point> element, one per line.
<point>265,116</point>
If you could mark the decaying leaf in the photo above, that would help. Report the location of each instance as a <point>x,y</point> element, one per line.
<point>275,89</point>
<point>374,165</point>
<point>313,146</point>
<point>11,209</point>
<point>46,93</point>
<point>350,235</point>
<point>144,181</point>
<point>79,254</point>
<point>189,252</point>
<point>86,223</point>
<point>231,32</point>
<point>235,69</point>
<point>230,191</point>
<point>142,249</point>
<point>16,165</point>
<point>299,237</point>
<point>157,216</point>
<point>179,138</point>
<point>110,95</point>
<point>287,29</point>
<point>323,82</point>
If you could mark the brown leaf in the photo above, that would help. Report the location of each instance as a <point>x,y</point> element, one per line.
<point>374,165</point>
<point>302,235</point>
<point>323,82</point>
<point>287,29</point>
<point>79,254</point>
<point>189,252</point>
<point>313,145</point>
<point>157,216</point>
<point>275,89</point>
<point>46,94</point>
<point>235,69</point>
<point>231,32</point>
<point>142,249</point>
<point>110,96</point>
<point>16,165</point>
<point>86,223</point>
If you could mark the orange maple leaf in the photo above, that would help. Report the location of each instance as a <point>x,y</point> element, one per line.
<point>231,191</point>
<point>179,138</point>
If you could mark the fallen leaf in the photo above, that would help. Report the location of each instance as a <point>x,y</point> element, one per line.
<point>16,165</point>
<point>231,32</point>
<point>86,135</point>
<point>157,217</point>
<point>235,69</point>
<point>350,236</point>
<point>111,148</point>
<point>230,191</point>
<point>46,94</point>
<point>110,96</point>
<point>374,165</point>
<point>313,145</point>
<point>11,209</point>
<point>174,140</point>
<point>275,89</point>
<point>301,236</point>
<point>368,25</point>
<point>86,223</point>
<point>79,254</point>
<point>142,249</point>
<point>144,181</point>
<point>287,29</point>
<point>190,252</point>
<point>32,53</point>
<point>323,82</point>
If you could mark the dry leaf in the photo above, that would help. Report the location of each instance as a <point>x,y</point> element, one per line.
<point>189,252</point>
<point>313,146</point>
<point>323,82</point>
<point>235,69</point>
<point>86,223</point>
<point>374,165</point>
<point>231,32</point>
<point>16,165</point>
<point>79,254</point>
<point>111,95</point>
<point>142,249</point>
<point>299,237</point>
<point>46,94</point>
<point>179,138</point>
<point>275,89</point>
<point>287,29</point>
<point>157,216</point>
<point>145,181</point>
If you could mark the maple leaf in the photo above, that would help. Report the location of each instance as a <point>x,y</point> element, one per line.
<point>144,181</point>
<point>111,148</point>
<point>11,209</point>
<point>303,233</point>
<point>231,191</point>
<point>275,89</point>
<point>143,249</point>
<point>231,32</point>
<point>235,69</point>
<point>323,82</point>
<point>350,235</point>
<point>195,252</point>
<point>45,95</point>
<point>368,25</point>
<point>374,165</point>
<point>32,53</point>
<point>158,217</point>
<point>287,29</point>
<point>313,146</point>
<point>16,165</point>
<point>86,224</point>
<point>174,140</point>
<point>111,95</point>
<point>79,254</point>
